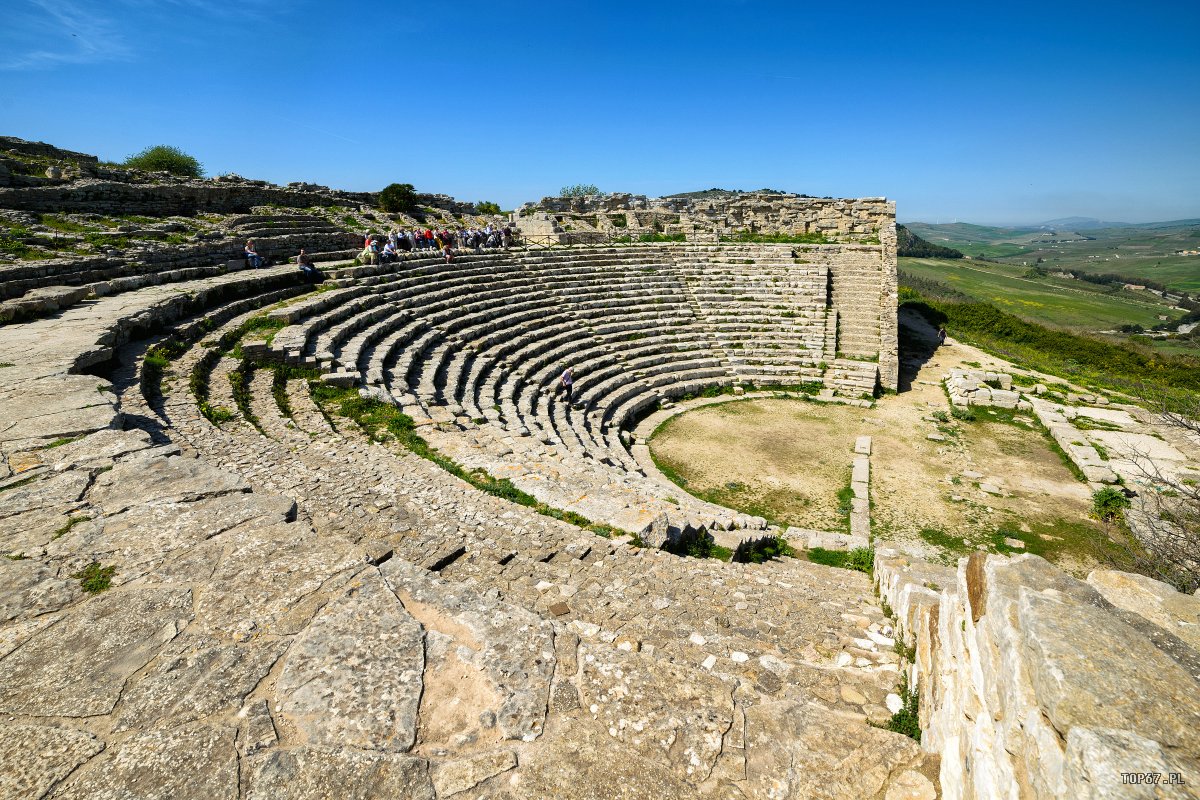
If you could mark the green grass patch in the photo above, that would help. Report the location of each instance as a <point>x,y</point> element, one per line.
<point>64,225</point>
<point>776,238</point>
<point>860,559</point>
<point>239,380</point>
<point>94,578</point>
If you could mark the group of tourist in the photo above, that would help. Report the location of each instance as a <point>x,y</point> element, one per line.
<point>378,249</point>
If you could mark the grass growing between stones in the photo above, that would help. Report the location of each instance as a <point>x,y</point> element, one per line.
<point>94,578</point>
<point>776,238</point>
<point>845,501</point>
<point>66,528</point>
<point>908,719</point>
<point>19,484</point>
<point>240,379</point>
<point>860,559</point>
<point>60,442</point>
<point>384,422</point>
<point>155,364</point>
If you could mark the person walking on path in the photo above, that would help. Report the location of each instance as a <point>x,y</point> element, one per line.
<point>941,336</point>
<point>566,383</point>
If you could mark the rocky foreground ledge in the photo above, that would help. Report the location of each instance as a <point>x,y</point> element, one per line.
<point>1035,684</point>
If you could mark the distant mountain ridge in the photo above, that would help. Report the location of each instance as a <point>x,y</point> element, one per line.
<point>1080,223</point>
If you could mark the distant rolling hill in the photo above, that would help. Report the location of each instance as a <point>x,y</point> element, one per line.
<point>1147,251</point>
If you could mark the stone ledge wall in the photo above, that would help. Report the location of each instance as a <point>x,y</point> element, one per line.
<point>843,218</point>
<point>889,323</point>
<point>110,197</point>
<point>1034,684</point>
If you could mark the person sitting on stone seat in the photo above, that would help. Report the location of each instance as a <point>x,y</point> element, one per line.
<point>368,256</point>
<point>253,259</point>
<point>305,262</point>
<point>389,254</point>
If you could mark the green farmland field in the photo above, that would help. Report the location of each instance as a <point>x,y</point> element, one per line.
<point>1056,302</point>
<point>1144,251</point>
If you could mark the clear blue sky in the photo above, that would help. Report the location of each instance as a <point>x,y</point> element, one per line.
<point>996,112</point>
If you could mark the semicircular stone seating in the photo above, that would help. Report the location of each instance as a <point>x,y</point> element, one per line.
<point>290,532</point>
<point>473,351</point>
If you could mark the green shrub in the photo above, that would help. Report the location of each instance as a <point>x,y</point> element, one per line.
<point>697,544</point>
<point>165,158</point>
<point>12,241</point>
<point>1109,504</point>
<point>398,198</point>
<point>908,719</point>
<point>485,207</point>
<point>579,190</point>
<point>765,548</point>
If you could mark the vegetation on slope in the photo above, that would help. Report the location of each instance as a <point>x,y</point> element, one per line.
<point>909,245</point>
<point>1084,359</point>
<point>165,158</point>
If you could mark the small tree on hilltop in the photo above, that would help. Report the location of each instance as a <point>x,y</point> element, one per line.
<point>486,207</point>
<point>165,158</point>
<point>579,190</point>
<point>398,198</point>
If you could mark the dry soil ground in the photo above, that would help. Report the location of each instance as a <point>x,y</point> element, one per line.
<point>787,459</point>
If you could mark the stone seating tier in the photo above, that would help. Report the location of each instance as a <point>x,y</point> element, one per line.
<point>486,337</point>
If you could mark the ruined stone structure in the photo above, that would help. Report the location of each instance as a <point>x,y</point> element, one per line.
<point>219,587</point>
<point>860,270</point>
<point>852,220</point>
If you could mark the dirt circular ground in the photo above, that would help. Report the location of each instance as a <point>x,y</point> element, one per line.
<point>786,460</point>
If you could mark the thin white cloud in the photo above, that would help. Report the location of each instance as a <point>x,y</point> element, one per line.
<point>42,34</point>
<point>49,33</point>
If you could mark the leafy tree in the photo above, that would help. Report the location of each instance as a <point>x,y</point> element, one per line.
<point>165,158</point>
<point>579,190</point>
<point>398,198</point>
<point>487,207</point>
